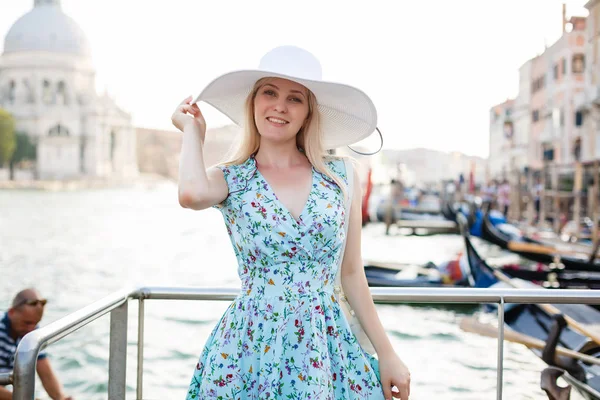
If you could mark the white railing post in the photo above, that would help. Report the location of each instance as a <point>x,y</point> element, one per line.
<point>24,370</point>
<point>499,373</point>
<point>117,361</point>
<point>140,349</point>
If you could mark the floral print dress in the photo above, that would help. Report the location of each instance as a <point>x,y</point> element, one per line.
<point>284,337</point>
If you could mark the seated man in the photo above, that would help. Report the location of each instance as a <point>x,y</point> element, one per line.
<point>23,317</point>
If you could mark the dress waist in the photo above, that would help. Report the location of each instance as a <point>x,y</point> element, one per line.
<point>286,292</point>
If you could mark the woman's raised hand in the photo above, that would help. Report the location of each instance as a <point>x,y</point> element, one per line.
<point>186,114</point>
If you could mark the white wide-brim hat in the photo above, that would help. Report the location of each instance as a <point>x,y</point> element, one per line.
<point>347,114</point>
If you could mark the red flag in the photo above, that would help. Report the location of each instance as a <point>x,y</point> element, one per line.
<point>472,178</point>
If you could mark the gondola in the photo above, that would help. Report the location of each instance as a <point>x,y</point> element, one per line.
<point>469,271</point>
<point>538,252</point>
<point>448,211</point>
<point>469,209</point>
<point>546,277</point>
<point>406,275</point>
<point>444,275</point>
<point>454,273</point>
<point>532,320</point>
<point>425,220</point>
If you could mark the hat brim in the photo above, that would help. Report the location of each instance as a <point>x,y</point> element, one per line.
<point>347,114</point>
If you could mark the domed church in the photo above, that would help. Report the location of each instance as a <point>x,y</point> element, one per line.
<point>47,82</point>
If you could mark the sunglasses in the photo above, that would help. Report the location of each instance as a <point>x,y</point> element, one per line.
<point>34,303</point>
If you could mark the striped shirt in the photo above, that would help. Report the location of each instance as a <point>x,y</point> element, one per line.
<point>8,346</point>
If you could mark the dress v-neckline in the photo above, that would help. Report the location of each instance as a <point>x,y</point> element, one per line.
<point>283,206</point>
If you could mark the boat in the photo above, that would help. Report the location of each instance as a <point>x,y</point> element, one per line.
<point>469,208</point>
<point>445,275</point>
<point>428,220</point>
<point>448,211</point>
<point>409,275</point>
<point>535,250</point>
<point>538,274</point>
<point>549,238</point>
<point>470,270</point>
<point>427,226</point>
<point>534,321</point>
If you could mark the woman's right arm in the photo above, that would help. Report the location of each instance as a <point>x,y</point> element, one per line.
<point>199,188</point>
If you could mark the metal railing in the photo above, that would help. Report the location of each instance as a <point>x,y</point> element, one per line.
<point>23,376</point>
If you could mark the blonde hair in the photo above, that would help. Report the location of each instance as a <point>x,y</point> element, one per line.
<point>308,139</point>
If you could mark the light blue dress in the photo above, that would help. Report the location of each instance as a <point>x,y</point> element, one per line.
<point>284,337</point>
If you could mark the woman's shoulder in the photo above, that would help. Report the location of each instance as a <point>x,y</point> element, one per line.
<point>338,164</point>
<point>237,174</point>
<point>236,166</point>
<point>333,160</point>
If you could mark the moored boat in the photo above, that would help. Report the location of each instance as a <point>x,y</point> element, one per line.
<point>537,251</point>
<point>534,321</point>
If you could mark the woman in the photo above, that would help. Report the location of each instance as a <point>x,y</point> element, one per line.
<point>283,201</point>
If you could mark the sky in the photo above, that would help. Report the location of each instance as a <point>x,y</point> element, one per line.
<point>433,68</point>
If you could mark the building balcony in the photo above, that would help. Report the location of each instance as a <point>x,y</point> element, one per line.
<point>584,100</point>
<point>548,134</point>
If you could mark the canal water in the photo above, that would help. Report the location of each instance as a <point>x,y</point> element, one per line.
<point>77,247</point>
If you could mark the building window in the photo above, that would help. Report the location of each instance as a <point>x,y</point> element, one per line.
<point>564,66</point>
<point>12,87</point>
<point>547,152</point>
<point>82,143</point>
<point>538,84</point>
<point>29,91</point>
<point>508,129</point>
<point>535,115</point>
<point>578,63</point>
<point>561,117</point>
<point>113,143</point>
<point>578,118</point>
<point>58,130</point>
<point>47,95</point>
<point>555,71</point>
<point>61,93</point>
<point>577,149</point>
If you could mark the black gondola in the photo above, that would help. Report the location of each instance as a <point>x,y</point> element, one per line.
<point>499,238</point>
<point>562,279</point>
<point>427,276</point>
<point>472,274</point>
<point>532,320</point>
<point>448,211</point>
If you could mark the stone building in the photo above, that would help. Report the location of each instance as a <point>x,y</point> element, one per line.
<point>47,82</point>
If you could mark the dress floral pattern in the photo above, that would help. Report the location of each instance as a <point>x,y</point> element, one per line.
<point>284,337</point>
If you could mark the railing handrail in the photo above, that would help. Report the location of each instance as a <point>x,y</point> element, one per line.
<point>404,295</point>
<point>56,330</point>
<point>60,328</point>
<point>34,342</point>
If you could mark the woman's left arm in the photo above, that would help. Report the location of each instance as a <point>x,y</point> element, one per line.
<point>393,371</point>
